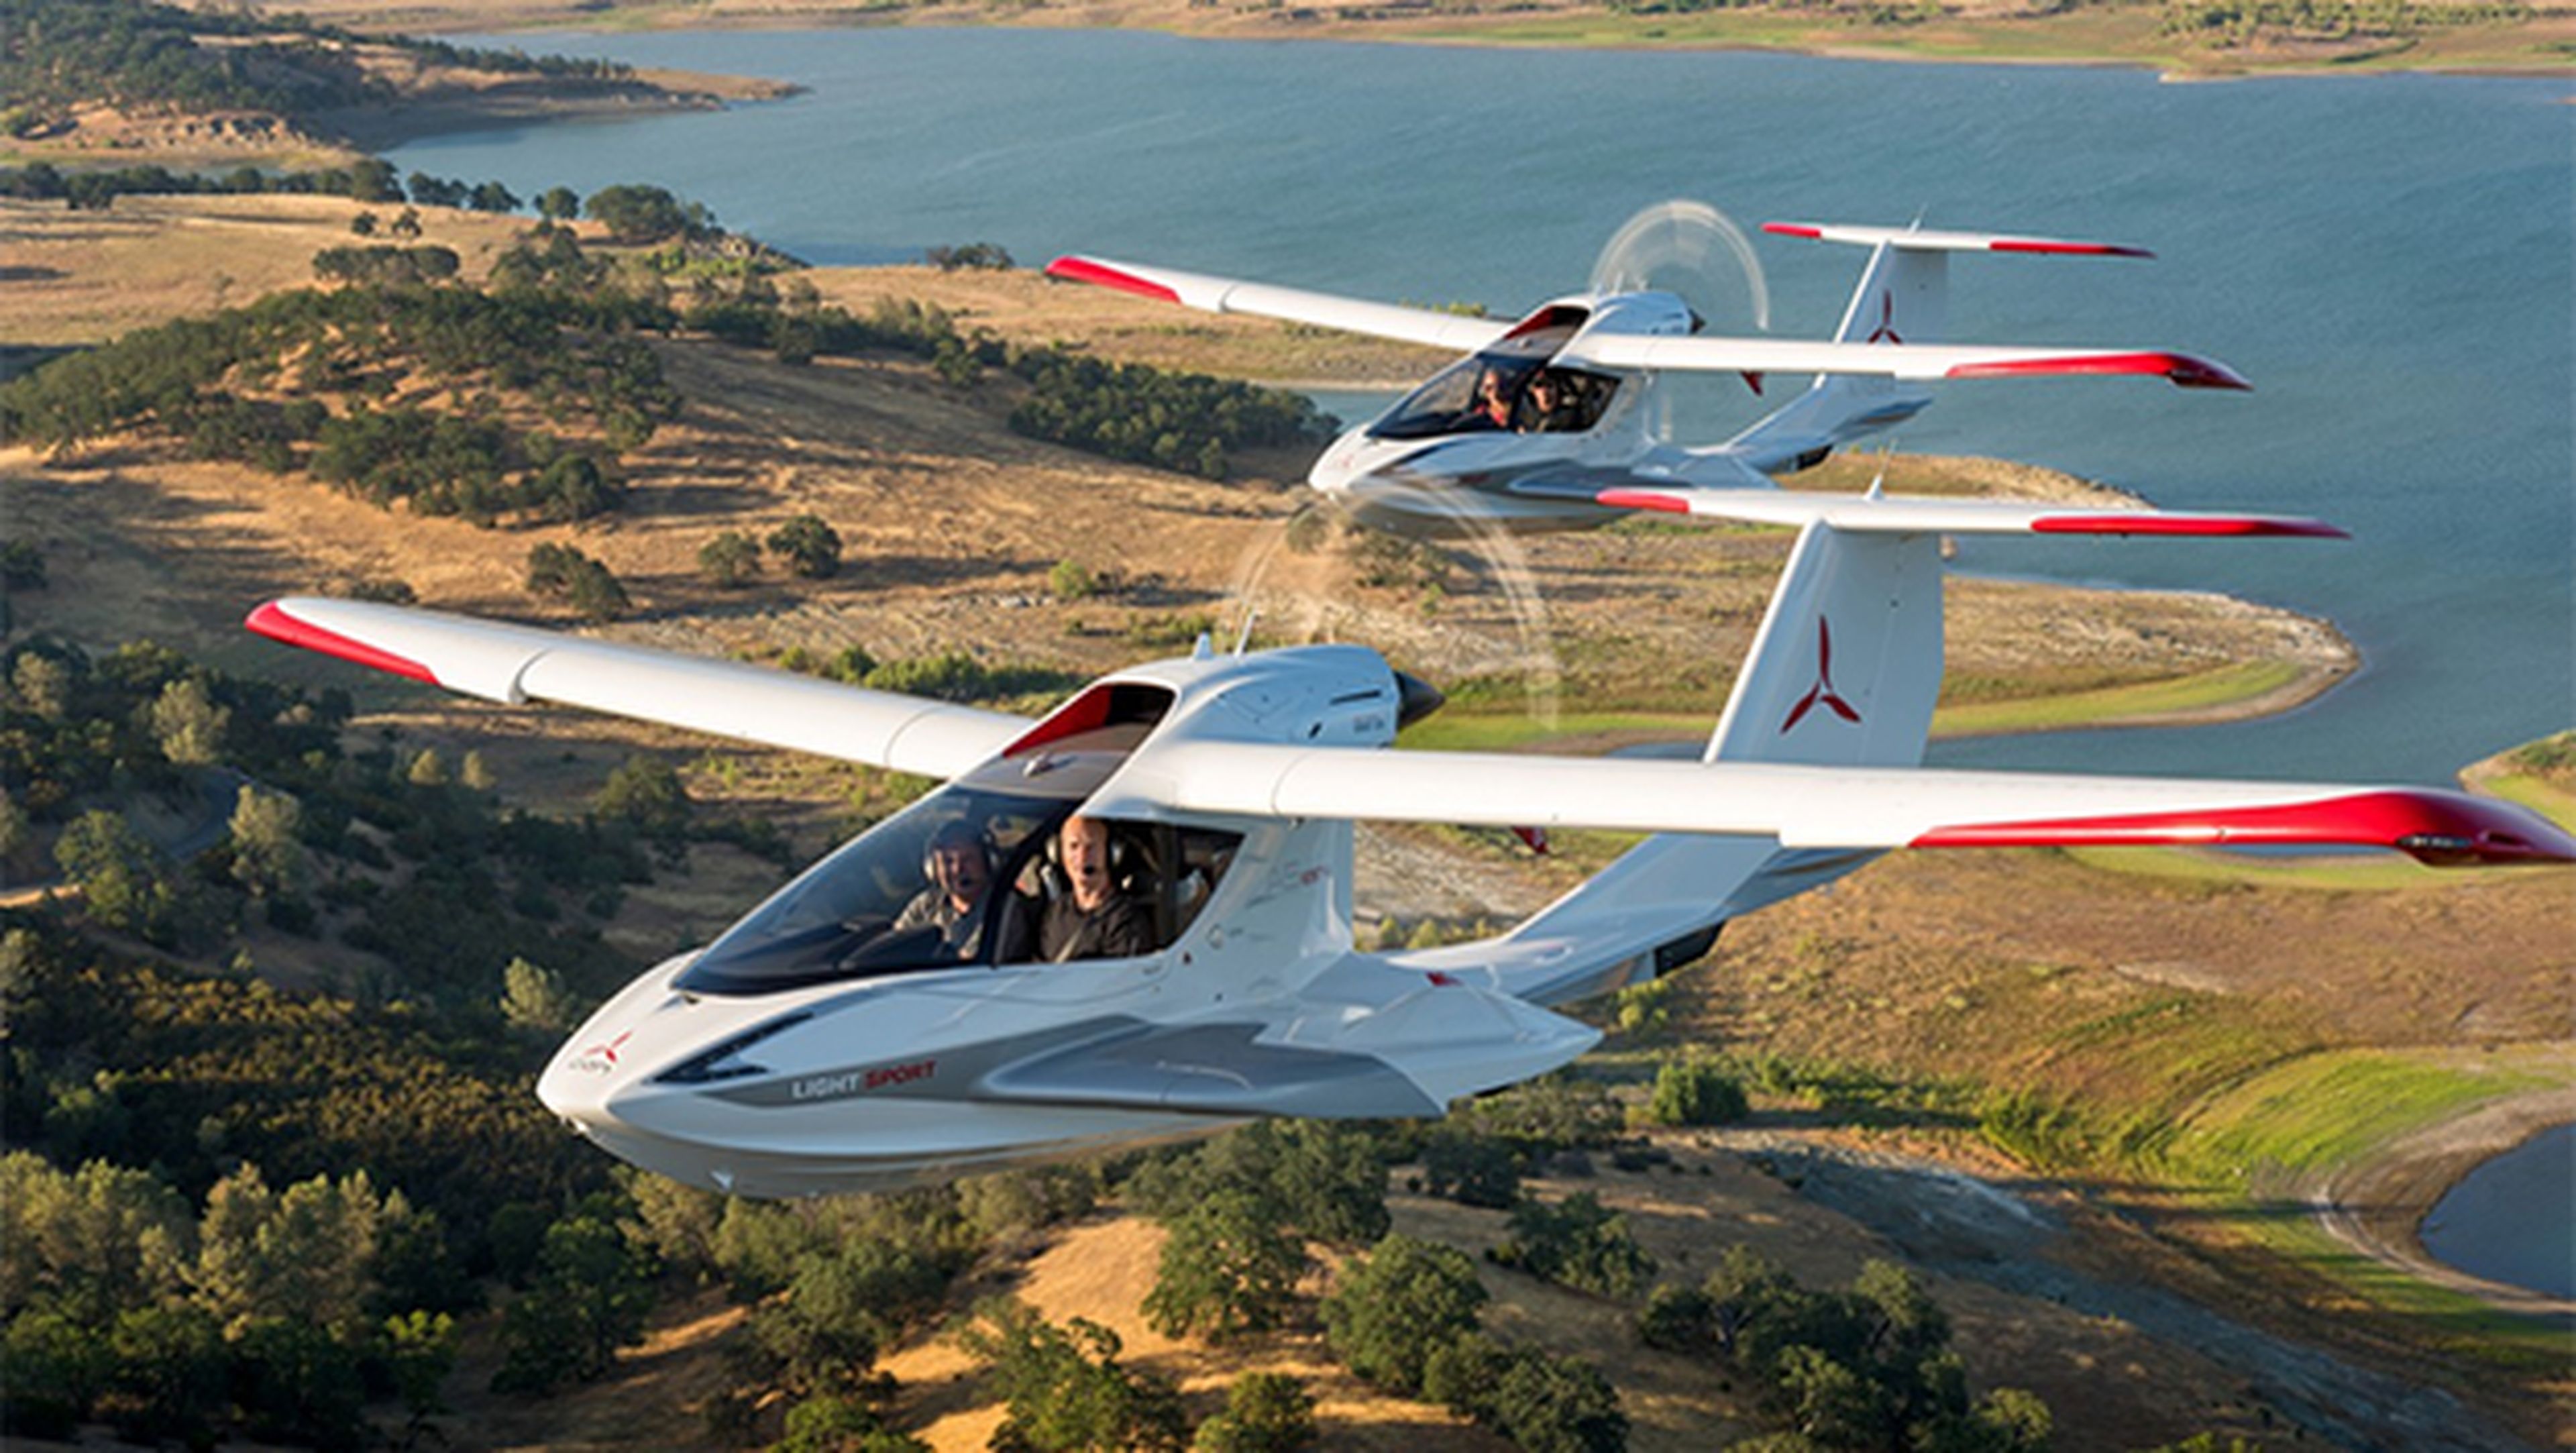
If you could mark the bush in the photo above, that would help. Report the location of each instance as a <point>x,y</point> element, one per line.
<point>1321,1179</point>
<point>1678,1319</point>
<point>730,559</point>
<point>1265,1412</point>
<point>1471,1170</point>
<point>1541,1403</point>
<point>811,547</point>
<point>1227,1268</point>
<point>563,571</point>
<point>1580,1243</point>
<point>974,255</point>
<point>593,1290</point>
<point>1066,1390</point>
<point>636,214</point>
<point>1405,1302</point>
<point>1695,1092</point>
<point>1071,580</point>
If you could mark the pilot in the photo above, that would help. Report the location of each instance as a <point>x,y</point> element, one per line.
<point>1548,407</point>
<point>1493,408</point>
<point>959,863</point>
<point>1094,919</point>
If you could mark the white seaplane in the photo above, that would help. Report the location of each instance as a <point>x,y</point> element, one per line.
<point>1548,422</point>
<point>839,1038</point>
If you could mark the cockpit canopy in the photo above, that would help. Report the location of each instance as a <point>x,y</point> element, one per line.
<point>1509,387</point>
<point>961,878</point>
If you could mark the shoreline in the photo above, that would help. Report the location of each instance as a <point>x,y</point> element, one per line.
<point>1951,40</point>
<point>2377,1205</point>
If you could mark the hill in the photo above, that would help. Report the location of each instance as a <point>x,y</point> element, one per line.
<point>122,81</point>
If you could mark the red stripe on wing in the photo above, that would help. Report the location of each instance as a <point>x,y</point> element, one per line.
<point>2441,828</point>
<point>277,625</point>
<point>2185,370</point>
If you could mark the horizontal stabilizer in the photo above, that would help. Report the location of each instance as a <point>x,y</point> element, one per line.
<point>509,663</point>
<point>1822,807</point>
<point>1918,361</point>
<point>1916,239</point>
<point>1915,514</point>
<point>1426,326</point>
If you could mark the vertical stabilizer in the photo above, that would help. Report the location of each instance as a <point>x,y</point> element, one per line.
<point>1843,672</point>
<point>1847,664</point>
<point>1903,297</point>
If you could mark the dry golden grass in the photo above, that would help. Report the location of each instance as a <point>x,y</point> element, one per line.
<point>84,277</point>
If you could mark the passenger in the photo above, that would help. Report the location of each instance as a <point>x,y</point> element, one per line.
<point>959,864</point>
<point>1094,919</point>
<point>1549,407</point>
<point>1493,408</point>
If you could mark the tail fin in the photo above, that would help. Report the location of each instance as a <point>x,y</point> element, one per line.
<point>1903,297</point>
<point>1843,672</point>
<point>1847,664</point>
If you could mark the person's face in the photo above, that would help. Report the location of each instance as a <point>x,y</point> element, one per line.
<point>1085,845</point>
<point>1490,388</point>
<point>1543,393</point>
<point>961,871</point>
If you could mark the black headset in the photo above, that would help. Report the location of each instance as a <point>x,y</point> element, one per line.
<point>956,829</point>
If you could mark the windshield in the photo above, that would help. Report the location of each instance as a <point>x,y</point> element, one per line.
<point>913,892</point>
<point>1490,393</point>
<point>978,873</point>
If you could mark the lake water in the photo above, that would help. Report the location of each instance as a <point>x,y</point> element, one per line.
<point>2387,257</point>
<point>2509,1219</point>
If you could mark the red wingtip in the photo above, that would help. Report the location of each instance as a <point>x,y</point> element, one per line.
<point>272,621</point>
<point>1793,229</point>
<point>1084,270</point>
<point>2150,524</point>
<point>2185,370</point>
<point>2441,829</point>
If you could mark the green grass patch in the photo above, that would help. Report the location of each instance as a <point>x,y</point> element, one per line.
<point>1456,731</point>
<point>2337,872</point>
<point>2537,793</point>
<point>2324,1111</point>
<point>2199,692</point>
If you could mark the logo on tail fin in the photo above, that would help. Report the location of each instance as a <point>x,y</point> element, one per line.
<point>1885,332</point>
<point>1822,693</point>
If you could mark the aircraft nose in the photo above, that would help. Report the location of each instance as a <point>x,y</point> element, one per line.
<point>577,1082</point>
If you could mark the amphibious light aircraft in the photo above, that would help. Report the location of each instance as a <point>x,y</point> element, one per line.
<point>1548,422</point>
<point>840,1038</point>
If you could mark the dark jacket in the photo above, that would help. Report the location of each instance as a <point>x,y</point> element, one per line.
<point>1119,928</point>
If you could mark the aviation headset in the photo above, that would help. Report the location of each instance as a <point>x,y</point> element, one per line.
<point>950,833</point>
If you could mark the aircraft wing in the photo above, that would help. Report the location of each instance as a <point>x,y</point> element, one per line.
<point>1427,326</point>
<point>1823,807</point>
<point>1889,360</point>
<point>1917,514</point>
<point>749,703</point>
